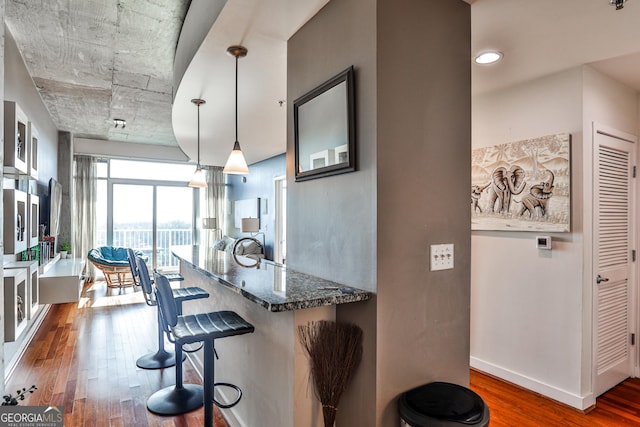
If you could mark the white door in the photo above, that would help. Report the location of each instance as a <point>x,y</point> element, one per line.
<point>613,281</point>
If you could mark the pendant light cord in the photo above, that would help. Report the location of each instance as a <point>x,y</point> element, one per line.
<point>236,98</point>
<point>199,137</point>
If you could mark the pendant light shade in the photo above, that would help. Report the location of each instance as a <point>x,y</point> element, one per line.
<point>199,179</point>
<point>236,164</point>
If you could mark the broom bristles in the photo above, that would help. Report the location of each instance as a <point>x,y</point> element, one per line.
<point>335,351</point>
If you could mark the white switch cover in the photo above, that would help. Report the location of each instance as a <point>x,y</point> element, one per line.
<point>442,257</point>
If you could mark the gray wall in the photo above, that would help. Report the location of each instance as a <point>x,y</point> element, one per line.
<point>331,229</point>
<point>20,88</point>
<point>16,85</point>
<point>424,148</point>
<point>259,183</point>
<point>331,221</point>
<point>2,67</point>
<point>372,228</point>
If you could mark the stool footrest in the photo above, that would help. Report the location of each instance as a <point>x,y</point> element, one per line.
<point>175,277</point>
<point>190,293</point>
<point>232,404</point>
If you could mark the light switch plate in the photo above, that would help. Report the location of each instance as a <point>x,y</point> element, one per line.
<point>441,257</point>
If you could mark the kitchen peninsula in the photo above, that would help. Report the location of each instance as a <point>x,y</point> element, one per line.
<point>270,365</point>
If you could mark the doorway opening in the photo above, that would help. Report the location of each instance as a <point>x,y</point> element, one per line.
<point>280,239</point>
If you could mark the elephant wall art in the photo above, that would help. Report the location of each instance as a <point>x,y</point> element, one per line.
<point>522,186</point>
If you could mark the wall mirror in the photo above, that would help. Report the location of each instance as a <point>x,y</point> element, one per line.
<point>324,128</point>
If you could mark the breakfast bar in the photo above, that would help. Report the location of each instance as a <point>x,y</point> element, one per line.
<point>269,365</point>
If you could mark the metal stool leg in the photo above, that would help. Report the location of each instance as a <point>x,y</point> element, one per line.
<point>161,358</point>
<point>208,381</point>
<point>178,399</point>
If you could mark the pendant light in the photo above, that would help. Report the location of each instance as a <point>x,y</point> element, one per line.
<point>236,164</point>
<point>199,179</point>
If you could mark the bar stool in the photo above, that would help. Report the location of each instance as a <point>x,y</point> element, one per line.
<point>179,398</point>
<point>201,327</point>
<point>160,358</point>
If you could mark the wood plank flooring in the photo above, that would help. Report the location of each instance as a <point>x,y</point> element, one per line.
<point>512,406</point>
<point>83,358</point>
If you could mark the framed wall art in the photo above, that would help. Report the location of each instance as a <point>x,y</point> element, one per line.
<point>324,129</point>
<point>523,185</point>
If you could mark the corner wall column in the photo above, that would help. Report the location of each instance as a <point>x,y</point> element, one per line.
<point>65,177</point>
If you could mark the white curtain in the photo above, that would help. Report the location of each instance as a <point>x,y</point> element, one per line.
<point>85,188</point>
<point>214,201</point>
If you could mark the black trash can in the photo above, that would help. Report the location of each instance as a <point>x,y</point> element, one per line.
<point>441,404</point>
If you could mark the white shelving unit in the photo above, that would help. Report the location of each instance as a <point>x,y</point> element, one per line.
<point>62,281</point>
<point>15,297</point>
<point>34,138</point>
<point>34,220</point>
<point>16,234</point>
<point>33,284</point>
<point>16,156</point>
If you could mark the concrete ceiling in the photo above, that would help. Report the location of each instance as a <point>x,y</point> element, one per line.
<point>96,60</point>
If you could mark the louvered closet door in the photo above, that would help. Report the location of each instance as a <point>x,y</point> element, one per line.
<point>613,245</point>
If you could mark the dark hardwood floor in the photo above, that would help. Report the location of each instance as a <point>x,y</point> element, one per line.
<point>513,406</point>
<point>83,358</point>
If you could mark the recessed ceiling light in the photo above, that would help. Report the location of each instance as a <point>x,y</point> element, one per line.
<point>120,122</point>
<point>488,57</point>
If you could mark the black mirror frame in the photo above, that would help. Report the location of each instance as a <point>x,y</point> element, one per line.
<point>350,166</point>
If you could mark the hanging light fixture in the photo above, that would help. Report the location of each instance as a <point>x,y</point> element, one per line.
<point>199,179</point>
<point>619,4</point>
<point>236,164</point>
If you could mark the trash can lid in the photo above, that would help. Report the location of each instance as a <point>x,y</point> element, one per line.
<point>442,401</point>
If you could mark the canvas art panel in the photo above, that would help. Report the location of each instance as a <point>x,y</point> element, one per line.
<point>523,185</point>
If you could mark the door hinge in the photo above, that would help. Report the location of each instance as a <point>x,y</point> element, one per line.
<point>634,172</point>
<point>633,255</point>
<point>633,339</point>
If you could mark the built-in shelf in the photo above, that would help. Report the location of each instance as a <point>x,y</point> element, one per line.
<point>31,270</point>
<point>16,234</point>
<point>34,220</point>
<point>34,138</point>
<point>15,297</point>
<point>62,281</point>
<point>15,139</point>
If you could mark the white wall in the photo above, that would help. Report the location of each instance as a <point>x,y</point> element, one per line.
<point>526,304</point>
<point>531,309</point>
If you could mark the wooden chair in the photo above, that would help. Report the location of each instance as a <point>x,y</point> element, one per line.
<point>113,261</point>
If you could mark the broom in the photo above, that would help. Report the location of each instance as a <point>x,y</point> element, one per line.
<point>335,351</point>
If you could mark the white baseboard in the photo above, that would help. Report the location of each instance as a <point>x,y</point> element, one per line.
<point>32,328</point>
<point>562,396</point>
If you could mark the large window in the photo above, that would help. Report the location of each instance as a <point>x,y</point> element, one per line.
<point>146,206</point>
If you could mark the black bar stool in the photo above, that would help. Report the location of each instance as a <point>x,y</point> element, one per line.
<point>201,327</point>
<point>160,358</point>
<point>179,398</point>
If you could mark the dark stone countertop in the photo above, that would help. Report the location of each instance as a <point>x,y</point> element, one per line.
<point>268,284</point>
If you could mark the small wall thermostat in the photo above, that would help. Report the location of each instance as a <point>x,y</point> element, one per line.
<point>543,242</point>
